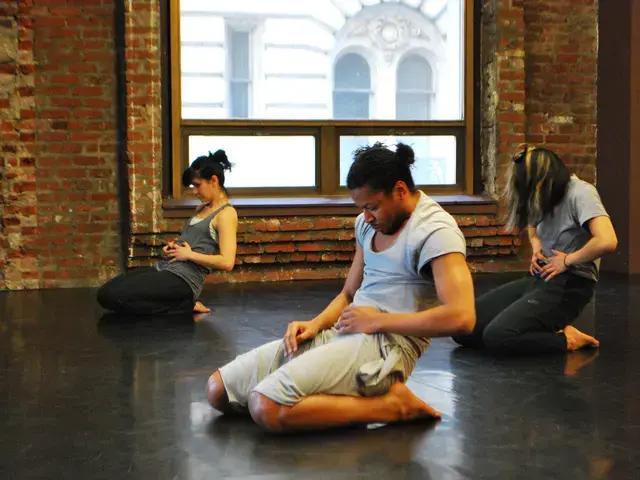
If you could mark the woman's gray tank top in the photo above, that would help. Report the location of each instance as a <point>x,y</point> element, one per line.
<point>198,236</point>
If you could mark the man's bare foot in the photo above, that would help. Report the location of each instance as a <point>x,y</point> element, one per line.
<point>200,308</point>
<point>410,406</point>
<point>577,340</point>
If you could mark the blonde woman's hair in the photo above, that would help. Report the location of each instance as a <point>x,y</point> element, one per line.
<point>537,180</point>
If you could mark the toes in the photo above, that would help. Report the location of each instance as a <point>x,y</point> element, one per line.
<point>431,412</point>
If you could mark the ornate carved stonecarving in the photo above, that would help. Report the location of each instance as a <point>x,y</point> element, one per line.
<point>388,33</point>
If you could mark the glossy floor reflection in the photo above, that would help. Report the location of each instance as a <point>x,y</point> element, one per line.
<point>84,396</point>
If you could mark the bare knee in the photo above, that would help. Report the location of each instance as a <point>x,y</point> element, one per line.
<point>216,393</point>
<point>267,413</point>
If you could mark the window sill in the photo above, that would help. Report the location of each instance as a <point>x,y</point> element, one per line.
<point>316,206</point>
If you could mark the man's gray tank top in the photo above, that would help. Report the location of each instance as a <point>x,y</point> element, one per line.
<point>200,237</point>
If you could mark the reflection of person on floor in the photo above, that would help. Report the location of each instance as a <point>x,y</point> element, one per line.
<point>569,231</point>
<point>207,243</point>
<point>349,364</point>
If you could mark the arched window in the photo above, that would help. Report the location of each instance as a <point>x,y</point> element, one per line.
<point>351,87</point>
<point>414,89</point>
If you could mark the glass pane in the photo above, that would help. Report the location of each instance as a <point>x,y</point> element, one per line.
<point>262,161</point>
<point>194,28</point>
<point>239,53</point>
<point>319,47</point>
<point>202,90</point>
<point>350,105</point>
<point>201,59</point>
<point>414,73</point>
<point>352,72</point>
<point>240,100</point>
<point>204,112</point>
<point>412,106</point>
<point>435,156</point>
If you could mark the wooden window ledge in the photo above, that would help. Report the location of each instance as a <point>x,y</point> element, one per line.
<point>322,206</point>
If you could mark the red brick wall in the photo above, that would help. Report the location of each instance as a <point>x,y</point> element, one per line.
<point>57,140</point>
<point>322,247</point>
<point>544,74</point>
<point>561,63</point>
<point>59,203</point>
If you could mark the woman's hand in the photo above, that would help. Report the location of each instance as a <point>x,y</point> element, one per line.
<point>181,253</point>
<point>557,265</point>
<point>169,247</point>
<point>535,268</point>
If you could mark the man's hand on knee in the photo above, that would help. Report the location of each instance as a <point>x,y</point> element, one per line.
<point>298,332</point>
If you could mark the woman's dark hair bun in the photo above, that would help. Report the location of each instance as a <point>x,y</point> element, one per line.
<point>207,166</point>
<point>405,154</point>
<point>220,156</point>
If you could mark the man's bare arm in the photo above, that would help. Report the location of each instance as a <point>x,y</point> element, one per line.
<point>300,331</point>
<point>455,316</point>
<point>331,314</point>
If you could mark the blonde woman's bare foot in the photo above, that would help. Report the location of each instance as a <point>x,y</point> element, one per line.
<point>575,361</point>
<point>200,308</point>
<point>199,316</point>
<point>577,340</point>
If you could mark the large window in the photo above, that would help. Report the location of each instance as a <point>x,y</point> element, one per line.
<point>291,88</point>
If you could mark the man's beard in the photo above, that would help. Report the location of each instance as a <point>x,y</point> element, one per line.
<point>396,224</point>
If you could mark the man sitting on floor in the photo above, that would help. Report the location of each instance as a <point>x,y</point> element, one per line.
<point>349,364</point>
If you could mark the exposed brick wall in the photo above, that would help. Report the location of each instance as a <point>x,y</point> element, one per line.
<point>539,82</point>
<point>18,205</point>
<point>322,247</point>
<point>144,110</point>
<point>57,140</point>
<point>59,203</point>
<point>561,44</point>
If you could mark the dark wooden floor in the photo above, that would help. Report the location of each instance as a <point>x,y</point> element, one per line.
<point>84,396</point>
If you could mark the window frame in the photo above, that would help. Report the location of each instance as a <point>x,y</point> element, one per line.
<point>326,131</point>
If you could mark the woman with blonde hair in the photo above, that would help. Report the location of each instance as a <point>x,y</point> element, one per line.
<point>569,230</point>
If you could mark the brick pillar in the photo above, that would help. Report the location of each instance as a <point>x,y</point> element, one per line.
<point>18,203</point>
<point>144,109</point>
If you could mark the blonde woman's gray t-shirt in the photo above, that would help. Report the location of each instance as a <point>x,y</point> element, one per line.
<point>568,229</point>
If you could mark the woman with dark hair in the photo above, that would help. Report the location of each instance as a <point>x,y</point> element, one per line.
<point>569,230</point>
<point>208,242</point>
